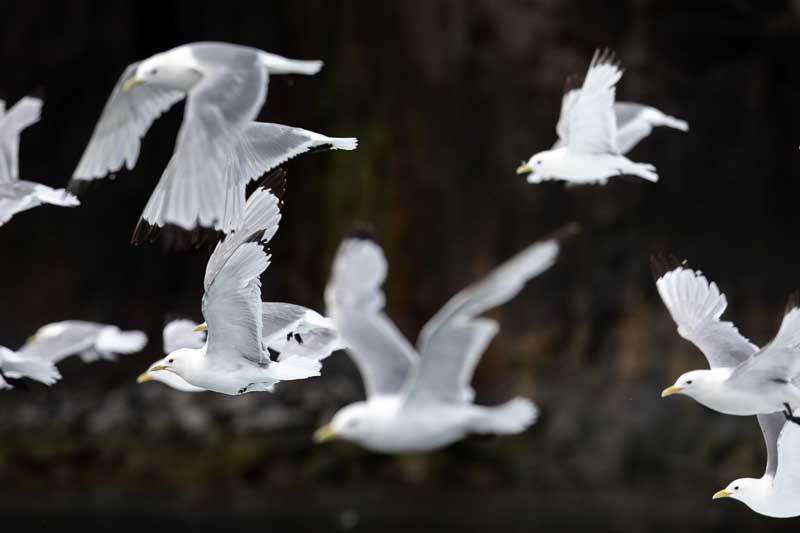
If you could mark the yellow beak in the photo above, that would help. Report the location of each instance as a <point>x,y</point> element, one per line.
<point>324,434</point>
<point>157,368</point>
<point>144,377</point>
<point>524,169</point>
<point>721,494</point>
<point>669,391</point>
<point>131,83</point>
<point>201,327</point>
<point>30,339</point>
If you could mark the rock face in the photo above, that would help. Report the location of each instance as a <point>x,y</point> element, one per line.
<point>446,98</point>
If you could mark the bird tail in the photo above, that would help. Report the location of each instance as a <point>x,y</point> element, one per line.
<point>294,367</point>
<point>113,341</point>
<point>514,416</point>
<point>282,65</point>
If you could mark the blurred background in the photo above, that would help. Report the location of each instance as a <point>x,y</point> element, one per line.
<point>446,98</point>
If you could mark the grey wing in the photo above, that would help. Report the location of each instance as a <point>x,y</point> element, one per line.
<point>296,330</point>
<point>562,127</point>
<point>232,301</point>
<point>125,119</point>
<point>24,113</point>
<point>59,340</point>
<point>452,342</point>
<point>771,426</point>
<point>180,334</point>
<point>786,467</point>
<point>636,121</point>
<point>780,359</point>
<point>263,146</point>
<point>592,124</point>
<point>354,302</point>
<point>696,306</point>
<point>196,188</point>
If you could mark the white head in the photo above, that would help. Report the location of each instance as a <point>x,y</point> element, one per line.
<point>541,166</point>
<point>696,384</point>
<point>747,490</point>
<point>176,69</point>
<point>353,423</point>
<point>178,362</point>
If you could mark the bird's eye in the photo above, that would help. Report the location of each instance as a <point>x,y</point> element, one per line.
<point>153,71</point>
<point>353,423</point>
<point>539,162</point>
<point>689,382</point>
<point>735,488</point>
<point>171,361</point>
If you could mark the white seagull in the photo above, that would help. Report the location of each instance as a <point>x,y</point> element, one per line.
<point>420,400</point>
<point>219,148</point>
<point>237,357</point>
<point>177,334</point>
<point>594,133</point>
<point>14,366</point>
<point>742,379</point>
<point>91,341</point>
<point>777,492</point>
<point>17,195</point>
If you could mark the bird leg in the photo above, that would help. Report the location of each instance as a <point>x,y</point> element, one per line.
<point>789,414</point>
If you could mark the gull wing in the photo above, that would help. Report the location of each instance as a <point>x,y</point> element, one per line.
<point>452,342</point>
<point>90,340</point>
<point>591,122</point>
<point>355,303</point>
<point>179,333</point>
<point>125,119</point>
<point>771,426</point>
<point>786,452</point>
<point>232,299</point>
<point>780,359</point>
<point>23,114</point>
<point>572,89</point>
<point>696,306</point>
<point>636,121</point>
<point>196,188</point>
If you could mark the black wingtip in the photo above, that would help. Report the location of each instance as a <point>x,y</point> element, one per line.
<point>363,232</point>
<point>662,263</point>
<point>174,238</point>
<point>80,187</point>
<point>275,182</point>
<point>604,56</point>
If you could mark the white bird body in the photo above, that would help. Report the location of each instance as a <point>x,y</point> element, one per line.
<point>594,132</point>
<point>14,365</point>
<point>220,148</point>
<point>420,400</point>
<point>742,379</point>
<point>777,492</point>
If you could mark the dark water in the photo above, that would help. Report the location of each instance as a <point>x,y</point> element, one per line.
<point>385,509</point>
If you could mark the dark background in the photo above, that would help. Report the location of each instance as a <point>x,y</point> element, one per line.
<point>446,98</point>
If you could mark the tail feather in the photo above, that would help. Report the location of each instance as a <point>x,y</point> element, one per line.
<point>657,118</point>
<point>60,197</point>
<point>643,170</point>
<point>295,367</point>
<point>37,370</point>
<point>514,416</point>
<point>111,340</point>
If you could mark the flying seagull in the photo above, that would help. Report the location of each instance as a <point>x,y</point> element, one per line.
<point>420,399</point>
<point>91,341</point>
<point>287,329</point>
<point>14,367</point>
<point>742,379</point>
<point>594,133</point>
<point>17,195</point>
<point>236,357</point>
<point>220,148</point>
<point>777,492</point>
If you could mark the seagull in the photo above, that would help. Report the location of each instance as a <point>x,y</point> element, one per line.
<point>17,195</point>
<point>91,341</point>
<point>420,399</point>
<point>777,492</point>
<point>236,357</point>
<point>743,379</point>
<point>220,148</point>
<point>14,366</point>
<point>177,334</point>
<point>287,329</point>
<point>594,133</point>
